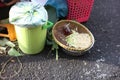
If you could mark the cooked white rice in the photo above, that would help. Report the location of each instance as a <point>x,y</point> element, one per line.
<point>78,40</point>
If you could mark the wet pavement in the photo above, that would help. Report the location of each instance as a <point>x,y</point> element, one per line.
<point>102,62</point>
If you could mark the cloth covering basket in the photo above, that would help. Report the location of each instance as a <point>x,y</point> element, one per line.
<point>79,10</point>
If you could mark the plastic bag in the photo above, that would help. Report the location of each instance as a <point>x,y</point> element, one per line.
<point>28,14</point>
<point>61,7</point>
<point>41,2</point>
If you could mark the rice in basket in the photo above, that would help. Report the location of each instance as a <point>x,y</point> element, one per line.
<point>78,40</point>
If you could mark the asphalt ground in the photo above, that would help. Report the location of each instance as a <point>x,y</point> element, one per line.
<point>101,62</point>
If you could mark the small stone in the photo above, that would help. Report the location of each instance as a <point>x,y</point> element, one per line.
<point>87,73</point>
<point>100,60</point>
<point>12,60</point>
<point>118,45</point>
<point>84,62</point>
<point>97,65</point>
<point>98,50</point>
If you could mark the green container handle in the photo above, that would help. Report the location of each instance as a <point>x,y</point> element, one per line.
<point>48,25</point>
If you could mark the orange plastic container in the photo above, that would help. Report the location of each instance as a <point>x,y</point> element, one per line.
<point>11,31</point>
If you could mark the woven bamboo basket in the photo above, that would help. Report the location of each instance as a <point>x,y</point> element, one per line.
<point>59,36</point>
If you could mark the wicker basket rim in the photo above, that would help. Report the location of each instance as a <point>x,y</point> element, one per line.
<point>72,48</point>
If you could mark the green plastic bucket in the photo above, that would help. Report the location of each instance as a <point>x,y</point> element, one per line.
<point>32,40</point>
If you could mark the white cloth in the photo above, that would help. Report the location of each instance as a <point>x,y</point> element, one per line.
<point>28,14</point>
<point>41,2</point>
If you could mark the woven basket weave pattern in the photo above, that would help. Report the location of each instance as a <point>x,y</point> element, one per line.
<point>68,48</point>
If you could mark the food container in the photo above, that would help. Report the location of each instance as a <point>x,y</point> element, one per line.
<point>31,23</point>
<point>60,35</point>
